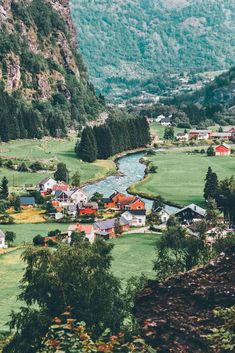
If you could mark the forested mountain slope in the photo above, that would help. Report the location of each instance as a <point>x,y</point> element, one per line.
<point>43,81</point>
<point>127,42</point>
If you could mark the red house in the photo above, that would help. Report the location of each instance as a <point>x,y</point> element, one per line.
<point>87,208</point>
<point>124,202</point>
<point>223,150</point>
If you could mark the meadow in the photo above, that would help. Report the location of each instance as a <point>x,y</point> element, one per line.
<point>49,151</point>
<point>159,130</point>
<point>127,252</point>
<point>180,176</point>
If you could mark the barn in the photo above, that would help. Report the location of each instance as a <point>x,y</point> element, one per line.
<point>223,150</point>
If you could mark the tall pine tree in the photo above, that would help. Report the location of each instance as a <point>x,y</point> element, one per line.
<point>86,149</point>
<point>4,192</point>
<point>211,185</point>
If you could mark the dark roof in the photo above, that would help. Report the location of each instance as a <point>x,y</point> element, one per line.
<point>106,200</point>
<point>166,120</point>
<point>175,316</point>
<point>199,210</point>
<point>137,212</point>
<point>27,200</point>
<point>110,223</point>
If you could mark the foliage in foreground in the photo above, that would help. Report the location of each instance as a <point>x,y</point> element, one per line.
<point>67,335</point>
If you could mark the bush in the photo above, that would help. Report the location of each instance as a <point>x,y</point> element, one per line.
<point>22,167</point>
<point>36,166</point>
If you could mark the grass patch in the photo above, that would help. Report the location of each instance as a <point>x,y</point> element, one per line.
<point>126,254</point>
<point>53,151</point>
<point>180,176</point>
<point>159,130</point>
<point>26,232</point>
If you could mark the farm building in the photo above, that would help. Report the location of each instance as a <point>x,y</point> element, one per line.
<point>109,225</point>
<point>86,208</point>
<point>46,185</point>
<point>27,202</point>
<point>191,213</point>
<point>223,150</point>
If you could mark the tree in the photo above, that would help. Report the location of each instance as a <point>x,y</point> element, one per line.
<point>117,227</point>
<point>86,149</point>
<point>22,167</point>
<point>76,179</point>
<point>212,213</point>
<point>169,133</point>
<point>210,151</point>
<point>78,276</point>
<point>36,166</point>
<point>10,237</point>
<point>61,173</point>
<point>17,205</point>
<point>38,240</point>
<point>211,185</point>
<point>225,199</point>
<point>4,193</point>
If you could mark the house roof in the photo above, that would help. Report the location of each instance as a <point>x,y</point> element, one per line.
<point>83,205</point>
<point>201,211</point>
<point>170,210</point>
<point>27,200</point>
<point>166,120</point>
<point>45,180</point>
<point>137,212</point>
<point>2,235</point>
<point>110,223</point>
<point>223,145</point>
<point>106,199</point>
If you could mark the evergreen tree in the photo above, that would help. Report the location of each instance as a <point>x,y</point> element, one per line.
<point>87,148</point>
<point>17,206</point>
<point>210,151</point>
<point>104,140</point>
<point>10,237</point>
<point>62,173</point>
<point>76,179</point>
<point>4,192</point>
<point>211,185</point>
<point>169,133</point>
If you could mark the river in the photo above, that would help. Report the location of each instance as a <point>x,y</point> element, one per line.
<point>132,171</point>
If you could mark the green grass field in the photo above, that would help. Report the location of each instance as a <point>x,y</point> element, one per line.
<point>133,254</point>
<point>52,151</point>
<point>158,129</point>
<point>180,176</point>
<point>26,232</point>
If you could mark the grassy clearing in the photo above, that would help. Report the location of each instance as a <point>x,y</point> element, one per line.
<point>50,151</point>
<point>32,215</point>
<point>26,232</point>
<point>127,253</point>
<point>180,176</point>
<point>159,130</point>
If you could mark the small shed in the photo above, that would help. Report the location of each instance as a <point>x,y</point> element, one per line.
<point>27,202</point>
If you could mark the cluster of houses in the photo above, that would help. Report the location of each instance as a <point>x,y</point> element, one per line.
<point>198,135</point>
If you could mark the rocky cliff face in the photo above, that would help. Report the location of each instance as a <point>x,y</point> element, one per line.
<point>39,62</point>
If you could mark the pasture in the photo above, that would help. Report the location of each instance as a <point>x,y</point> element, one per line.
<point>132,255</point>
<point>49,152</point>
<point>180,176</point>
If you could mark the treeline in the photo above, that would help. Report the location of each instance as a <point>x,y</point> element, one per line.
<point>117,135</point>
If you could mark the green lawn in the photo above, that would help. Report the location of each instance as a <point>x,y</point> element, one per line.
<point>158,129</point>
<point>133,254</point>
<point>49,151</point>
<point>180,176</point>
<point>26,232</point>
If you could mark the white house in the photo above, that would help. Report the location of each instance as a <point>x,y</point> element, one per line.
<point>136,218</point>
<point>47,184</point>
<point>166,212</point>
<point>166,122</point>
<point>2,240</point>
<point>182,136</point>
<point>72,197</point>
<point>88,229</point>
<point>159,118</point>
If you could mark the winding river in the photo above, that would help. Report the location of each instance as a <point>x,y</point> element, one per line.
<point>132,171</point>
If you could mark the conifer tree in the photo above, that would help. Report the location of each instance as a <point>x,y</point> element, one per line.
<point>4,192</point>
<point>87,148</point>
<point>61,174</point>
<point>211,185</point>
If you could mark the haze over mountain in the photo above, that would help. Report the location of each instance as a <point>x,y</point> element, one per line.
<point>128,42</point>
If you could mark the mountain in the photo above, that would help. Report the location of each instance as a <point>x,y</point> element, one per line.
<point>126,42</point>
<point>43,80</point>
<point>216,101</point>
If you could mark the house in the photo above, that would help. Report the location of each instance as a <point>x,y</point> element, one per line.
<point>136,218</point>
<point>159,118</point>
<point>87,229</point>
<point>222,135</point>
<point>46,185</point>
<point>60,186</point>
<point>191,213</point>
<point>2,240</point>
<point>199,134</point>
<point>166,122</point>
<point>27,202</point>
<point>123,202</point>
<point>165,212</point>
<point>109,225</point>
<point>223,150</point>
<point>182,136</point>
<point>87,208</point>
<point>71,197</point>
<point>72,211</point>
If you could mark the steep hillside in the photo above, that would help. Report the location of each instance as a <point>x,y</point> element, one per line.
<point>127,42</point>
<point>176,316</point>
<point>43,81</point>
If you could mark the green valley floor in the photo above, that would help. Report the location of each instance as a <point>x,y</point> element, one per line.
<point>180,176</point>
<point>127,252</point>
